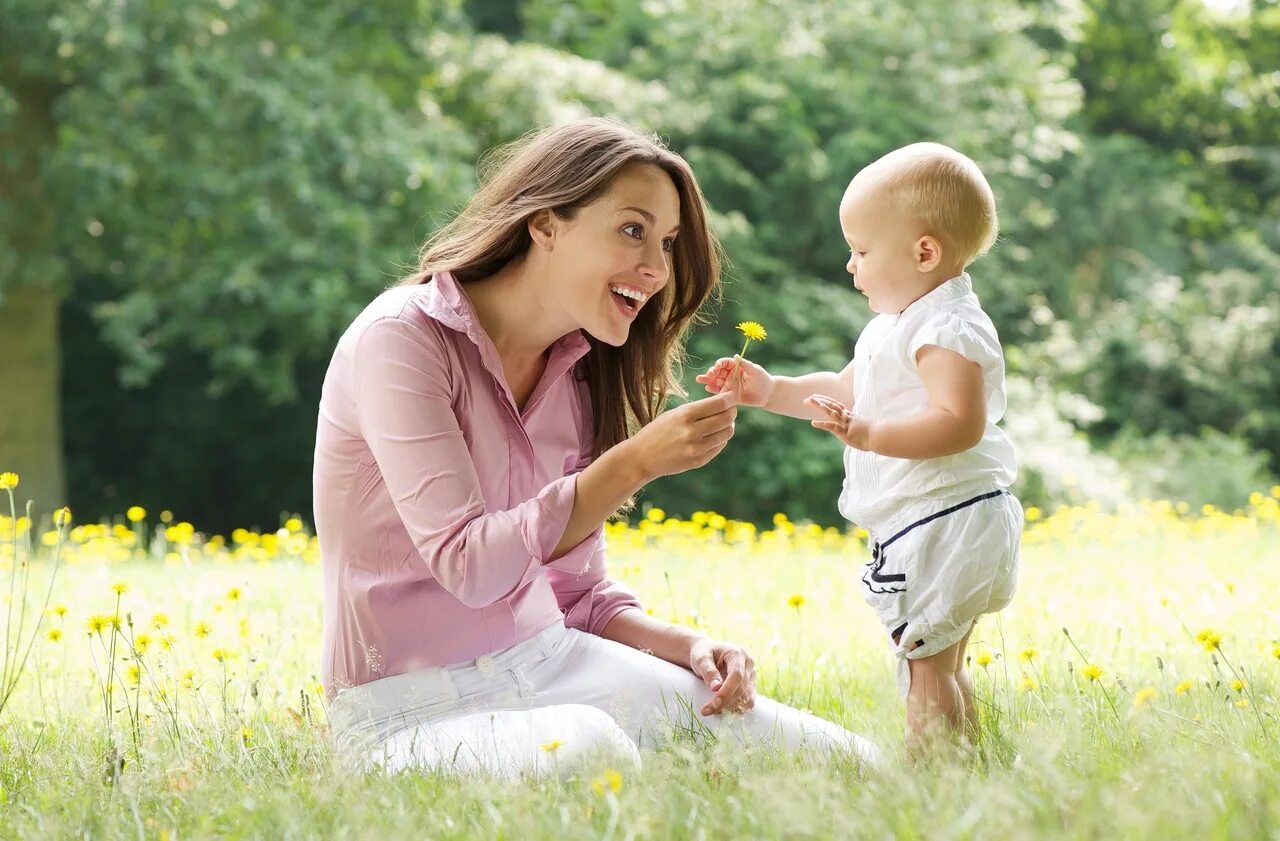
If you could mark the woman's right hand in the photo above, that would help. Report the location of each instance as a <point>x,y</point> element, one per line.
<point>685,437</point>
<point>752,383</point>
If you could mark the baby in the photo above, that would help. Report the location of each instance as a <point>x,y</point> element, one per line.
<point>926,467</point>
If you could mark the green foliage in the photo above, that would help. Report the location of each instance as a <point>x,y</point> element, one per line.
<point>222,185</point>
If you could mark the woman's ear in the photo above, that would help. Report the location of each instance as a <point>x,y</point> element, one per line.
<point>928,254</point>
<point>543,226</point>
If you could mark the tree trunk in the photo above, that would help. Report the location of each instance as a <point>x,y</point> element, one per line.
<point>30,414</point>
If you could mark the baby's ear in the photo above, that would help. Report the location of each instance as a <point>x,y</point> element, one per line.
<point>928,253</point>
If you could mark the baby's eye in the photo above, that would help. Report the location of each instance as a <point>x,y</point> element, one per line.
<point>639,231</point>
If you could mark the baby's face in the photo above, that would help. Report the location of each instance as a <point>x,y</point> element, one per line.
<point>882,251</point>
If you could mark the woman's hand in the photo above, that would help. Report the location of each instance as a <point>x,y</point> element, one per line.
<point>685,437</point>
<point>751,382</point>
<point>728,671</point>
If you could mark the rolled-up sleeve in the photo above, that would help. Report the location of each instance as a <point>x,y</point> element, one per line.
<point>406,416</point>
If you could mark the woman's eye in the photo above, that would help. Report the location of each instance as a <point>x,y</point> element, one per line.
<point>636,228</point>
<point>668,245</point>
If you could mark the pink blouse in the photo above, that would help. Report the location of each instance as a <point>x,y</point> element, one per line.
<point>438,503</point>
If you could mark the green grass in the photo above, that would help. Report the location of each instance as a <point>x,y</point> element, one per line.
<point>1070,758</point>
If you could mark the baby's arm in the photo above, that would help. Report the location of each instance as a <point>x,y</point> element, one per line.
<point>780,395</point>
<point>955,420</point>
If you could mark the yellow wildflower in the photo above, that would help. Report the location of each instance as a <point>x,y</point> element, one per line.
<point>136,514</point>
<point>120,588</point>
<point>222,654</point>
<point>1209,639</point>
<point>233,594</point>
<point>1184,687</point>
<point>753,330</point>
<point>293,524</point>
<point>246,735</point>
<point>552,746</point>
<point>1033,513</point>
<point>1144,696</point>
<point>1028,654</point>
<point>54,634</point>
<point>141,643</point>
<point>8,481</point>
<point>202,629</point>
<point>983,659</point>
<point>62,517</point>
<point>1028,683</point>
<point>796,601</point>
<point>610,780</point>
<point>1242,702</point>
<point>1092,671</point>
<point>61,610</point>
<point>135,674</point>
<point>159,620</point>
<point>656,515</point>
<point>1237,685</point>
<point>97,624</point>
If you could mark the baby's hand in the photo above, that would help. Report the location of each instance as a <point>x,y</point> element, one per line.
<point>841,422</point>
<point>753,383</point>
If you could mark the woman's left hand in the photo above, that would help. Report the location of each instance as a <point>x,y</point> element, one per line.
<point>729,672</point>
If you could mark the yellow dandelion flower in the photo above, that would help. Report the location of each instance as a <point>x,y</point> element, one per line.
<point>136,514</point>
<point>552,746</point>
<point>610,780</point>
<point>656,515</point>
<point>159,620</point>
<point>246,735</point>
<point>222,654</point>
<point>1092,671</point>
<point>1209,639</point>
<point>167,641</point>
<point>1275,651</point>
<point>1237,685</point>
<point>54,634</point>
<point>1028,654</point>
<point>8,481</point>
<point>61,610</point>
<point>202,629</point>
<point>233,594</point>
<point>796,601</point>
<point>1033,513</point>
<point>135,674</point>
<point>141,643</point>
<point>983,659</point>
<point>120,588</point>
<point>1144,696</point>
<point>1028,683</point>
<point>753,330</point>
<point>97,624</point>
<point>1184,687</point>
<point>188,679</point>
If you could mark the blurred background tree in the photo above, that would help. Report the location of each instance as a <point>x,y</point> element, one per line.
<point>197,198</point>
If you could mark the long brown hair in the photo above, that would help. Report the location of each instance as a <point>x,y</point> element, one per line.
<point>562,169</point>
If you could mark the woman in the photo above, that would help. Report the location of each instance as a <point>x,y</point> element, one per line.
<point>478,424</point>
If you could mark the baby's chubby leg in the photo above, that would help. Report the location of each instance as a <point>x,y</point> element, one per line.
<point>935,702</point>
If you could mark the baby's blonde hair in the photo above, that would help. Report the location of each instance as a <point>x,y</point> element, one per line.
<point>942,189</point>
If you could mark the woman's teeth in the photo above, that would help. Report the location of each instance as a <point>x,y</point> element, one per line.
<point>638,297</point>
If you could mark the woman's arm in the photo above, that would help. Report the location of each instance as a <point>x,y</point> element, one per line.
<point>677,440</point>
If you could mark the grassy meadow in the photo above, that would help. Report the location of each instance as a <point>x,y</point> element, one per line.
<point>1132,690</point>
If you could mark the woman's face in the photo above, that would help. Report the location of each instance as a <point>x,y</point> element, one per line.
<point>614,257</point>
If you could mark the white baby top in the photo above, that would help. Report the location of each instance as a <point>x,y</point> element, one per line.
<point>887,386</point>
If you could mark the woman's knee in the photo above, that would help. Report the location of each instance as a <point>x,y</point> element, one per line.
<point>591,736</point>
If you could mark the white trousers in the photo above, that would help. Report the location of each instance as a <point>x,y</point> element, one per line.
<point>552,703</point>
